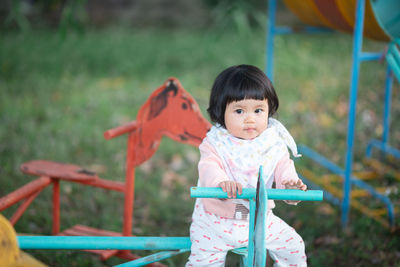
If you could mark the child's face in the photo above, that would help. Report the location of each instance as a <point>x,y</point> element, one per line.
<point>247,118</point>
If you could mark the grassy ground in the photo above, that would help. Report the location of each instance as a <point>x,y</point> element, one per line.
<point>58,96</point>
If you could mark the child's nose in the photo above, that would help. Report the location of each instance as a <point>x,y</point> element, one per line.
<point>250,118</point>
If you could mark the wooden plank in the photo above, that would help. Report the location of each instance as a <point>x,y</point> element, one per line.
<point>57,170</point>
<point>82,230</point>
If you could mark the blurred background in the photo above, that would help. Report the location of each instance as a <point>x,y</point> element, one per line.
<point>70,70</point>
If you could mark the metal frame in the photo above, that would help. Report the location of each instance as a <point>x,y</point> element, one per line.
<point>254,255</point>
<point>346,173</point>
<point>393,69</point>
<point>273,30</point>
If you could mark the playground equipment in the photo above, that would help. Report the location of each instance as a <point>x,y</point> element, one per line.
<point>253,255</point>
<point>169,111</point>
<point>10,255</point>
<point>378,20</point>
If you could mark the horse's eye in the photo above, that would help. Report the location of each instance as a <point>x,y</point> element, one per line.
<point>184,106</point>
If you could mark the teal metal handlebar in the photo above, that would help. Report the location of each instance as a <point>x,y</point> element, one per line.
<point>103,242</point>
<point>248,193</point>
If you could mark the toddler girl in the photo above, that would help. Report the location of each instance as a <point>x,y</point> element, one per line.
<point>244,137</point>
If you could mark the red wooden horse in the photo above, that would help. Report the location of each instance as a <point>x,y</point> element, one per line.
<point>169,111</point>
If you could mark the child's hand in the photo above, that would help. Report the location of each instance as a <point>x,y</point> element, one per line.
<point>231,187</point>
<point>294,185</point>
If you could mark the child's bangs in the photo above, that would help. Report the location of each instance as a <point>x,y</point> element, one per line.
<point>246,90</point>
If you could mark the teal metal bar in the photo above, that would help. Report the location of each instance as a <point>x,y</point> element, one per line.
<point>152,258</point>
<point>250,256</point>
<point>260,231</point>
<point>216,192</point>
<point>275,194</point>
<point>104,242</point>
<point>327,196</point>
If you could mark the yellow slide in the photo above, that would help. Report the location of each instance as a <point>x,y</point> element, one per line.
<point>10,255</point>
<point>338,15</point>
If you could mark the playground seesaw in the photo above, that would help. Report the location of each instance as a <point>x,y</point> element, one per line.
<point>253,255</point>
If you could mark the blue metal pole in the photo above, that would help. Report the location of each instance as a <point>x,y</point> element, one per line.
<point>368,56</point>
<point>357,46</point>
<point>384,147</point>
<point>270,39</point>
<point>387,107</point>
<point>336,169</point>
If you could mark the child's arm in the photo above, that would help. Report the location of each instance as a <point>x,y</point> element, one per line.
<point>286,176</point>
<point>212,173</point>
<point>211,168</point>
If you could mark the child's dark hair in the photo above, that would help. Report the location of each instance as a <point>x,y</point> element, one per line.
<point>237,83</point>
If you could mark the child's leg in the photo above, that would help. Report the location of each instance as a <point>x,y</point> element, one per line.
<point>206,256</point>
<point>284,244</point>
<point>212,237</point>
<point>206,249</point>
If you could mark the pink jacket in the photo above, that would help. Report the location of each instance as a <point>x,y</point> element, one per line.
<point>211,173</point>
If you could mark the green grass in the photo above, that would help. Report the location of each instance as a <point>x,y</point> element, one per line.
<point>58,96</point>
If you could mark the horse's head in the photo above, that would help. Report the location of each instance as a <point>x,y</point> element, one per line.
<point>170,111</point>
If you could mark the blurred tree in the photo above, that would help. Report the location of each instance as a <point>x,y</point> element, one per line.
<point>16,15</point>
<point>241,15</point>
<point>75,15</point>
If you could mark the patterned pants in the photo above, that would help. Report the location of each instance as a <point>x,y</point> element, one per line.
<point>212,237</point>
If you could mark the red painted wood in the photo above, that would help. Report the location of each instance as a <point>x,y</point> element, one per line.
<point>170,111</point>
<point>106,184</point>
<point>115,132</point>
<point>105,254</point>
<point>57,170</point>
<point>21,209</point>
<point>23,192</point>
<point>129,186</point>
<point>56,206</point>
<point>82,230</point>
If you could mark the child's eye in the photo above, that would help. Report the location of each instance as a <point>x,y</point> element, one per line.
<point>239,111</point>
<point>259,110</point>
